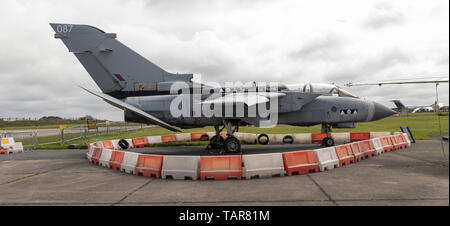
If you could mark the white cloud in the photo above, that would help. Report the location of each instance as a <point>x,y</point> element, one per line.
<point>284,41</point>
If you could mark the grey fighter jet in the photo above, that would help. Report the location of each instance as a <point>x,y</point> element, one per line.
<point>149,94</point>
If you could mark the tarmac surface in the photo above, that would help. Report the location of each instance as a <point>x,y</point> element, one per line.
<point>418,175</point>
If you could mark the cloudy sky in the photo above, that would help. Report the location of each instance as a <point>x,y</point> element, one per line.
<point>285,41</point>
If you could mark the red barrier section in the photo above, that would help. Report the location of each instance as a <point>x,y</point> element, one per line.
<point>359,154</point>
<point>366,146</point>
<point>168,138</point>
<point>345,154</point>
<point>318,137</point>
<point>300,162</point>
<point>197,136</point>
<point>221,167</point>
<point>386,142</point>
<point>149,165</point>
<point>359,136</point>
<point>140,142</point>
<point>96,155</point>
<point>116,159</point>
<point>108,144</point>
<point>399,141</point>
<point>3,151</point>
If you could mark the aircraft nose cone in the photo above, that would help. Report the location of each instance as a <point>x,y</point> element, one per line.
<point>381,111</point>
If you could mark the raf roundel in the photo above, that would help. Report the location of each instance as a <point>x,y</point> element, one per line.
<point>334,109</point>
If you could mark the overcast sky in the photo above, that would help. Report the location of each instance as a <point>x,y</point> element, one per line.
<point>285,41</point>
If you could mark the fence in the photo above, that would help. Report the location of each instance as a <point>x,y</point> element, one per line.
<point>33,138</point>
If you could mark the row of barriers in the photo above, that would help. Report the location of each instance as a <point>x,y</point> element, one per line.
<point>9,146</point>
<point>250,138</point>
<point>240,166</point>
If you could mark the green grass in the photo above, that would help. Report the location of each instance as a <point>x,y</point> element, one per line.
<point>422,125</point>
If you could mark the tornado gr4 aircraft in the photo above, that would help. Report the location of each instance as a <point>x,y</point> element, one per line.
<point>149,94</point>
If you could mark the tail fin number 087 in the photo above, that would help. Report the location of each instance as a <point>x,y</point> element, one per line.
<point>64,28</point>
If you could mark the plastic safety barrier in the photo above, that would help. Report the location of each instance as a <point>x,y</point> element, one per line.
<point>377,145</point>
<point>300,162</point>
<point>183,137</point>
<point>249,138</point>
<point>345,154</point>
<point>221,167</point>
<point>386,143</point>
<point>357,153</point>
<point>116,159</point>
<point>130,143</point>
<point>359,136</point>
<point>379,134</point>
<point>105,157</point>
<point>366,146</point>
<point>140,142</point>
<point>129,162</point>
<point>116,144</point>
<point>90,152</point>
<point>96,155</point>
<point>149,165</point>
<point>263,165</point>
<point>317,137</point>
<point>197,136</point>
<point>399,141</point>
<point>327,158</point>
<point>180,167</point>
<point>154,139</point>
<point>3,151</point>
<point>302,138</point>
<point>341,138</point>
<point>108,144</point>
<point>169,138</point>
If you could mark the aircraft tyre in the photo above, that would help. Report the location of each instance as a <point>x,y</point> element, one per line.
<point>124,144</point>
<point>328,142</point>
<point>263,139</point>
<point>216,142</point>
<point>232,145</point>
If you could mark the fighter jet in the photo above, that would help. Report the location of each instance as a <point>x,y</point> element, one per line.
<point>416,109</point>
<point>149,94</point>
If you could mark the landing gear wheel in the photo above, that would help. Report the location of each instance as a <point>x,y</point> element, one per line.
<point>328,142</point>
<point>232,145</point>
<point>216,142</point>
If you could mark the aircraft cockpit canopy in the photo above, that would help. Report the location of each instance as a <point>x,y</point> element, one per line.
<point>320,88</point>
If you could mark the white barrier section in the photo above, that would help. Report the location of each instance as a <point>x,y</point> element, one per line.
<point>302,138</point>
<point>180,167</point>
<point>90,152</point>
<point>341,138</point>
<point>17,147</point>
<point>210,134</point>
<point>263,165</point>
<point>105,157</point>
<point>247,137</point>
<point>407,139</point>
<point>377,145</point>
<point>276,138</point>
<point>130,142</point>
<point>116,144</point>
<point>379,134</point>
<point>154,139</point>
<point>99,144</point>
<point>129,162</point>
<point>327,158</point>
<point>183,137</point>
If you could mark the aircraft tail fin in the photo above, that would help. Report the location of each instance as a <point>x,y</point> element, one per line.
<point>118,70</point>
<point>399,104</point>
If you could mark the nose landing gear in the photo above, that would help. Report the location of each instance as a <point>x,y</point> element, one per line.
<point>327,141</point>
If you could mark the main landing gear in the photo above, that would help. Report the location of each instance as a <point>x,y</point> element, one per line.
<point>327,141</point>
<point>230,144</point>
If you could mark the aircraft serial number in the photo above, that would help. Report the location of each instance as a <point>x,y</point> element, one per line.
<point>64,28</point>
